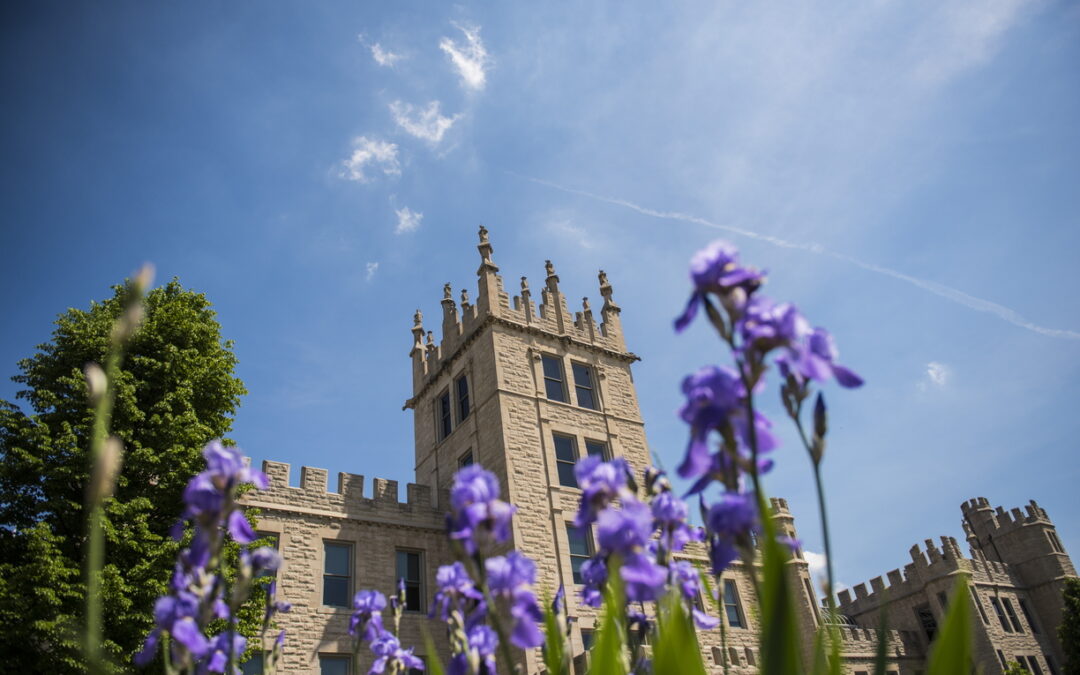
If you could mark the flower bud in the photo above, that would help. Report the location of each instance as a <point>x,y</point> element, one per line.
<point>821,419</point>
<point>143,278</point>
<point>128,322</point>
<point>96,382</point>
<point>103,475</point>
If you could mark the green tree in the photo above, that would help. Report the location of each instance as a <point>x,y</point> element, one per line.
<point>1069,631</point>
<point>176,391</point>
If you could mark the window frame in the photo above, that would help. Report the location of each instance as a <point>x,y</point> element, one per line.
<point>979,604</point>
<point>603,446</point>
<point>562,464</point>
<point>348,547</point>
<point>733,603</point>
<point>275,538</point>
<point>466,459</point>
<point>346,658</point>
<point>1014,619</point>
<point>590,548</point>
<point>591,388</point>
<point>1002,619</point>
<point>1055,543</point>
<point>419,582</point>
<point>462,403</point>
<point>549,380</point>
<point>444,415</point>
<point>1027,614</point>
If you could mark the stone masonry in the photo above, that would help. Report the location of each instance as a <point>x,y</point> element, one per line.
<point>515,385</point>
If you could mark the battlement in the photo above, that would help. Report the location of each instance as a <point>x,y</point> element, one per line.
<point>981,519</point>
<point>901,643</point>
<point>928,562</point>
<point>552,316</point>
<point>348,501</point>
<point>779,506</point>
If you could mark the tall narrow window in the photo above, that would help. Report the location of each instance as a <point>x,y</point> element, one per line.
<point>334,664</point>
<point>1027,615</point>
<point>337,561</point>
<point>596,449</point>
<point>944,600</point>
<point>465,460</point>
<point>253,666</point>
<point>978,603</point>
<point>731,605</point>
<point>1000,615</point>
<point>410,570</point>
<point>444,417</point>
<point>1015,620</point>
<point>584,386</point>
<point>269,539</point>
<point>1055,543</point>
<point>554,384</point>
<point>461,387</point>
<point>581,549</point>
<point>1033,666</point>
<point>1001,657</point>
<point>587,638</point>
<point>565,459</point>
<point>926,619</point>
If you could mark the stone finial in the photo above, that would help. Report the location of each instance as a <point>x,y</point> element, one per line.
<point>585,305</point>
<point>464,297</point>
<point>549,268</point>
<point>430,341</point>
<point>605,291</point>
<point>485,251</point>
<point>447,292</point>
<point>484,235</point>
<point>524,285</point>
<point>418,318</point>
<point>418,330</point>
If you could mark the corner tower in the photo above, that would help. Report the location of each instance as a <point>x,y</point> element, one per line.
<point>525,389</point>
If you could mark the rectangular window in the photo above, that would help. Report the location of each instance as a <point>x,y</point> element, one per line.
<point>565,459</point>
<point>1033,666</point>
<point>444,418</point>
<point>596,449</point>
<point>1000,615</point>
<point>927,621</point>
<point>731,605</point>
<point>553,378</point>
<point>334,664</point>
<point>461,387</point>
<point>587,638</point>
<point>1050,664</point>
<point>1015,620</point>
<point>978,603</point>
<point>269,539</point>
<point>1027,615</point>
<point>584,386</point>
<point>410,567</point>
<point>581,549</point>
<point>337,563</point>
<point>1001,657</point>
<point>465,460</point>
<point>1055,544</point>
<point>253,666</point>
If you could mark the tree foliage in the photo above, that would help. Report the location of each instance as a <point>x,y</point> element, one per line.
<point>1069,631</point>
<point>176,391</point>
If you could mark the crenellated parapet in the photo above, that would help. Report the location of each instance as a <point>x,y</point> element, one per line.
<point>980,519</point>
<point>349,500</point>
<point>901,643</point>
<point>551,316</point>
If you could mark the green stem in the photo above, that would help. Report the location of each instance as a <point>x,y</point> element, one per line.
<point>823,512</point>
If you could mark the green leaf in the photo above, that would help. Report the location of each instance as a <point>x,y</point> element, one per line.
<point>432,663</point>
<point>554,644</point>
<point>951,652</point>
<point>780,648</point>
<point>608,655</point>
<point>882,654</point>
<point>677,649</point>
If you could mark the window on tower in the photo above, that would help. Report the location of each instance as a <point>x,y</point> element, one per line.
<point>554,380</point>
<point>443,416</point>
<point>581,549</point>
<point>565,458</point>
<point>732,607</point>
<point>596,449</point>
<point>410,571</point>
<point>461,389</point>
<point>585,386</point>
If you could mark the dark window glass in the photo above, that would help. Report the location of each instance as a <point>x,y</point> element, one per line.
<point>581,549</point>
<point>1027,615</point>
<point>982,610</point>
<point>465,460</point>
<point>565,459</point>
<point>410,568</point>
<point>731,605</point>
<point>1001,657</point>
<point>1015,620</point>
<point>1033,666</point>
<point>1055,544</point>
<point>1000,615</point>
<point>445,418</point>
<point>336,578</point>
<point>596,449</point>
<point>1050,664</point>
<point>253,666</point>
<point>926,619</point>
<point>944,600</point>
<point>583,386</point>
<point>462,387</point>
<point>334,664</point>
<point>587,638</point>
<point>553,378</point>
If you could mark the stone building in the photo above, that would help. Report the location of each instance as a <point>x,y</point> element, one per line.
<point>526,388</point>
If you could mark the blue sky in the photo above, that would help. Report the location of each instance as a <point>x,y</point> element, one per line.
<point>906,171</point>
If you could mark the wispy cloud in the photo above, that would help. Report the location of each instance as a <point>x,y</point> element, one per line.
<point>470,58</point>
<point>566,228</point>
<point>966,35</point>
<point>937,376</point>
<point>370,270</point>
<point>407,220</point>
<point>370,152</point>
<point>426,123</point>
<point>384,57</point>
<point>941,290</point>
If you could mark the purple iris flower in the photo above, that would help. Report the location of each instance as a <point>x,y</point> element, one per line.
<point>594,576</point>
<point>715,269</point>
<point>388,652</point>
<point>228,467</point>
<point>262,559</point>
<point>454,587</point>
<point>669,516</point>
<point>735,515</point>
<point>479,516</point>
<point>688,581</point>
<point>624,530</point>
<point>482,641</point>
<point>600,482</point>
<point>712,393</point>
<point>511,577</point>
<point>175,615</point>
<point>815,358</point>
<point>218,659</point>
<point>643,579</point>
<point>767,324</point>
<point>367,614</point>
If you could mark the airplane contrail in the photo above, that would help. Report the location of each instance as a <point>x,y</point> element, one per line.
<point>941,290</point>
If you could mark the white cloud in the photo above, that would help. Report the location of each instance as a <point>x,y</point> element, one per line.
<point>384,57</point>
<point>407,220</point>
<point>371,152</point>
<point>937,376</point>
<point>425,123</point>
<point>819,572</point>
<point>470,58</point>
<point>966,34</point>
<point>371,269</point>
<point>565,227</point>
